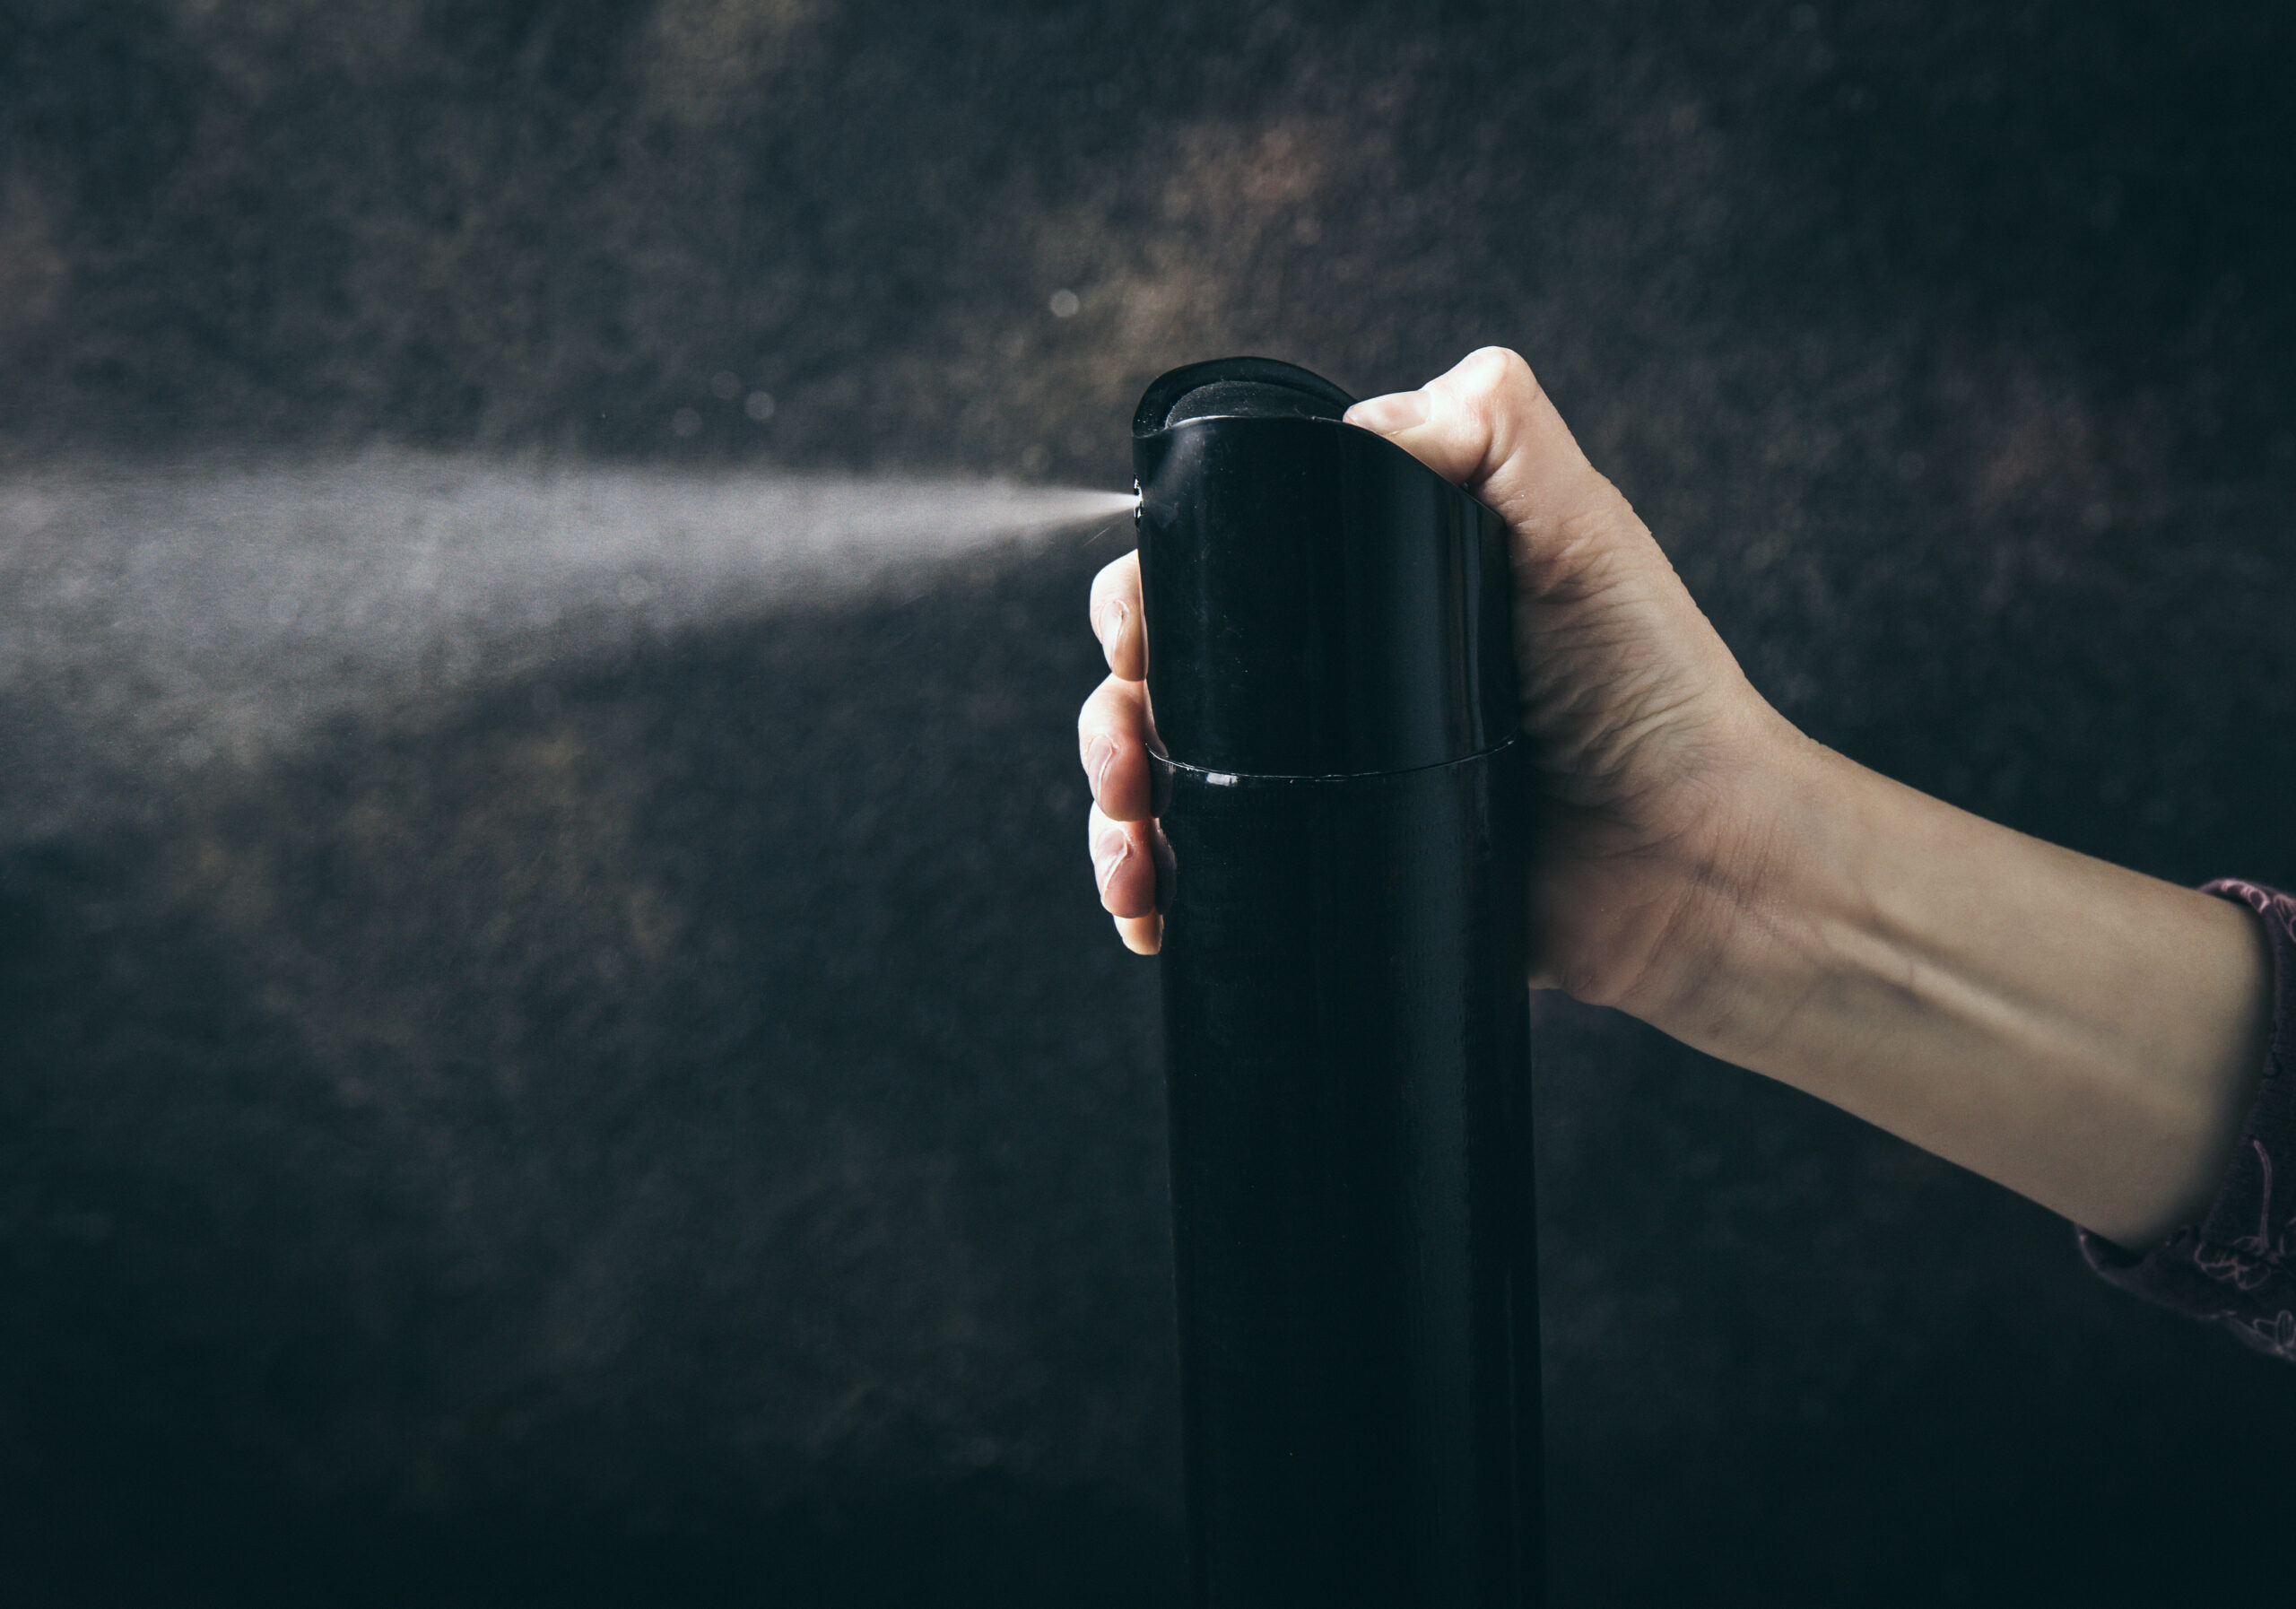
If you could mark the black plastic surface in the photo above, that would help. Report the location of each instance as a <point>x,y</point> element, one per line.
<point>1237,388</point>
<point>1322,605</point>
<point>1348,1062</point>
<point>1346,1041</point>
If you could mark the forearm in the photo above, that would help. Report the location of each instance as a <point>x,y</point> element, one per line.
<point>2087,1036</point>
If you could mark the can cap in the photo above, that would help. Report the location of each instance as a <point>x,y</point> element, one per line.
<point>1318,602</point>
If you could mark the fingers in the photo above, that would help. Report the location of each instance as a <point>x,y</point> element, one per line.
<point>1112,738</point>
<point>1116,618</point>
<point>1489,426</point>
<point>1122,865</point>
<point>1143,936</point>
<point>1131,860</point>
<point>1132,863</point>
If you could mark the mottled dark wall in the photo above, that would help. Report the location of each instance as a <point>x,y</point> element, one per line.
<point>671,1125</point>
<point>556,221</point>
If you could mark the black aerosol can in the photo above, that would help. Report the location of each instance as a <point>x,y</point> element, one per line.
<point>1332,678</point>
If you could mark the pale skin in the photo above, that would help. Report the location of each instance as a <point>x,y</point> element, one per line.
<point>2082,1034</point>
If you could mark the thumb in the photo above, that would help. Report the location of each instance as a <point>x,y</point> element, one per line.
<point>1489,426</point>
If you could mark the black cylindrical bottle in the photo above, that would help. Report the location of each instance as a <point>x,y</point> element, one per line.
<point>1332,680</point>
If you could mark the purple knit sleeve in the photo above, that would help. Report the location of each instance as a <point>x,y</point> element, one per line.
<point>2237,1268</point>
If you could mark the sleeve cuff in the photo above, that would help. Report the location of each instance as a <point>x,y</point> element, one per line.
<point>2237,1268</point>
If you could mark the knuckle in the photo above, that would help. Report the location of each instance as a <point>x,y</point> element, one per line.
<point>1100,701</point>
<point>1117,577</point>
<point>1497,381</point>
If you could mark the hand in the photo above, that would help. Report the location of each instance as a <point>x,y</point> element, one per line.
<point>1650,745</point>
<point>2087,1036</point>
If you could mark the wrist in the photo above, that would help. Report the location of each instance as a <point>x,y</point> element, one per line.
<point>2084,1034</point>
<point>1751,891</point>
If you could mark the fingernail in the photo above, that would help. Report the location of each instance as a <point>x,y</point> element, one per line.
<point>1108,852</point>
<point>1397,411</point>
<point>1097,756</point>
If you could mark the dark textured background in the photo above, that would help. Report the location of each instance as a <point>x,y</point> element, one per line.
<point>652,1115</point>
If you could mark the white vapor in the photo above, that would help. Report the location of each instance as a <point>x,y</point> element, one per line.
<point>156,621</point>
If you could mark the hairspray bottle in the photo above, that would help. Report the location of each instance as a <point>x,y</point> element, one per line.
<point>1332,678</point>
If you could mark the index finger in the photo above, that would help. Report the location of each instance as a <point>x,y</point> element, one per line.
<point>1115,617</point>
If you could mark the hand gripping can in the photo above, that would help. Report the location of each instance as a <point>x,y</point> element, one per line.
<point>1332,680</point>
